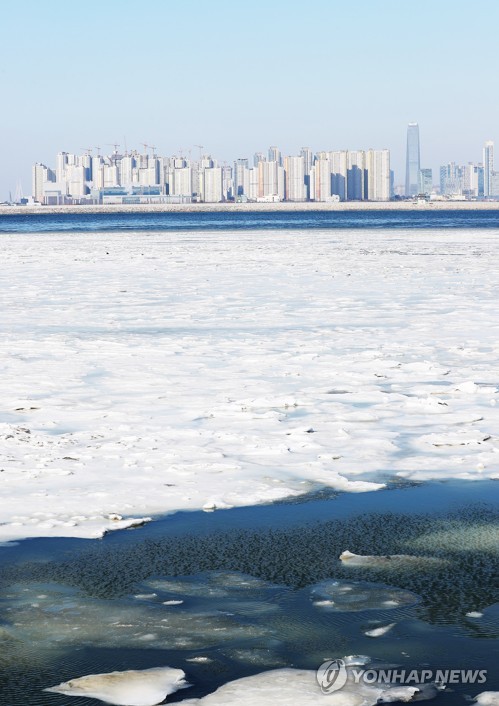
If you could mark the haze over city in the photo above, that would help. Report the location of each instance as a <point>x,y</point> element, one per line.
<point>236,79</point>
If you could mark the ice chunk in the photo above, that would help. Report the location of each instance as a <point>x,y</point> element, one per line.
<point>146,687</point>
<point>289,687</point>
<point>390,561</point>
<point>379,632</point>
<point>344,596</point>
<point>400,694</point>
<point>408,694</point>
<point>488,698</point>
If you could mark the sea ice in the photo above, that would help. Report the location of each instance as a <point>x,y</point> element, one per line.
<point>146,687</point>
<point>391,561</point>
<point>60,618</point>
<point>380,631</point>
<point>294,687</point>
<point>290,687</point>
<point>238,368</point>
<point>488,698</point>
<point>345,596</point>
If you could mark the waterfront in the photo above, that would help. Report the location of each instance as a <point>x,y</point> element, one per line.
<point>255,207</point>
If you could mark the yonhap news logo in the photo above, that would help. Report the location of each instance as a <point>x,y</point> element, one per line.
<point>334,674</point>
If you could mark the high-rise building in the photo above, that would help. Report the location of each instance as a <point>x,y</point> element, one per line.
<point>182,182</point>
<point>253,181</point>
<point>339,173</point>
<point>470,180</point>
<point>308,160</point>
<point>320,179</point>
<point>270,181</point>
<point>258,157</point>
<point>425,181</point>
<point>412,165</point>
<point>61,164</point>
<point>451,180</point>
<point>241,186</point>
<point>356,176</point>
<point>211,184</point>
<point>76,181</point>
<point>41,176</point>
<point>494,185</point>
<point>488,167</point>
<point>378,175</point>
<point>294,168</point>
<point>275,155</point>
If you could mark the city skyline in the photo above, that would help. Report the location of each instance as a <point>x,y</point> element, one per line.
<point>400,180</point>
<point>182,74</point>
<point>334,175</point>
<point>134,177</point>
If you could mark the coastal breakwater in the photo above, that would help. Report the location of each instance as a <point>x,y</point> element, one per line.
<point>253,207</point>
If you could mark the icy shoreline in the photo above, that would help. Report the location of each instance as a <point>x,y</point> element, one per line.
<point>149,373</point>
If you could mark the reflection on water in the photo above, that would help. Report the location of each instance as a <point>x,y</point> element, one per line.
<point>226,603</point>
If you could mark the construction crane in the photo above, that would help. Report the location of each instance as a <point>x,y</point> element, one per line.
<point>153,147</point>
<point>98,151</point>
<point>115,145</point>
<point>200,147</point>
<point>145,146</point>
<point>88,150</point>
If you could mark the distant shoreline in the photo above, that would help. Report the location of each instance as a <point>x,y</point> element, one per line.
<point>281,207</point>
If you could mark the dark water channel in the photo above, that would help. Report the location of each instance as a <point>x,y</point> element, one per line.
<point>228,594</point>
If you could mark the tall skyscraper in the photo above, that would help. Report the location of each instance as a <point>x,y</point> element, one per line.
<point>413,165</point>
<point>488,167</point>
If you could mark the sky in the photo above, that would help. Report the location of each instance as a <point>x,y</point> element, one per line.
<point>237,77</point>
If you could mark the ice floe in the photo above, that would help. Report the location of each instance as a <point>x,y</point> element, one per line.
<point>379,631</point>
<point>391,561</point>
<point>146,687</point>
<point>488,698</point>
<point>57,618</point>
<point>295,687</point>
<point>345,596</point>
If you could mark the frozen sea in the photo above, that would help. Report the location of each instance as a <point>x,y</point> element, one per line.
<point>345,365</point>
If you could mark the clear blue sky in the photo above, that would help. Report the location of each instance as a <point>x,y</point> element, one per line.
<point>237,77</point>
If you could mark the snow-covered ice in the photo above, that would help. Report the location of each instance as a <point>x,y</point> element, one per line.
<point>297,687</point>
<point>379,631</point>
<point>392,561</point>
<point>145,687</point>
<point>144,373</point>
<point>488,698</point>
